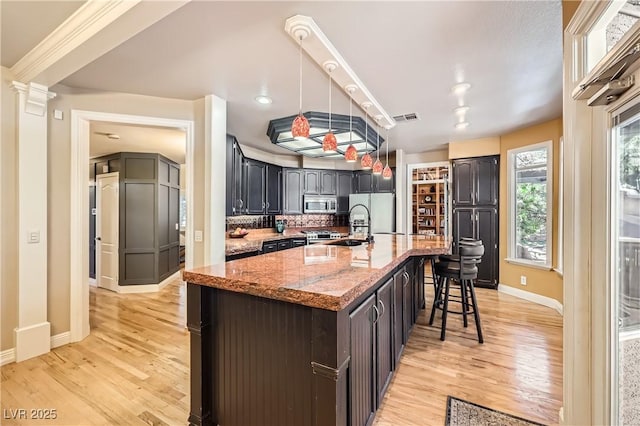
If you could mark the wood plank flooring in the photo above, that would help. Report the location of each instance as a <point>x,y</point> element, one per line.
<point>133,369</point>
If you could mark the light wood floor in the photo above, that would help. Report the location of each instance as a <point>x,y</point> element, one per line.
<point>133,369</point>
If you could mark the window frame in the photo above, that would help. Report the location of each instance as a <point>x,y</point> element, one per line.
<point>511,200</point>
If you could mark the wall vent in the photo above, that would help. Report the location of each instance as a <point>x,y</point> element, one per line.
<point>412,116</point>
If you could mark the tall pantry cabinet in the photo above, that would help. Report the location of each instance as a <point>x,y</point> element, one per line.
<point>476,182</point>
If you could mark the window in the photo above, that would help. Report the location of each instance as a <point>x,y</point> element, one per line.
<point>530,191</point>
<point>619,18</point>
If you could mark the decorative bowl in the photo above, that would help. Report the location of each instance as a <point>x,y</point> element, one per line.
<point>240,235</point>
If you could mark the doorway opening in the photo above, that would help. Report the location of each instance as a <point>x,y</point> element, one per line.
<point>81,132</point>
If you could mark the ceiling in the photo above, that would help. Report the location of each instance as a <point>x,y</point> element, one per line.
<point>408,54</point>
<point>169,142</point>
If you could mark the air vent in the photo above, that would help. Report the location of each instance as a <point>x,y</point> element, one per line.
<point>412,116</point>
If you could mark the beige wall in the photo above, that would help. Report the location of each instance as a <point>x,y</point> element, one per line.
<point>9,224</point>
<point>427,157</point>
<point>545,283</point>
<point>474,148</point>
<point>59,163</point>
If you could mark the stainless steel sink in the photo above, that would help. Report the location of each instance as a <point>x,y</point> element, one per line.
<point>347,243</point>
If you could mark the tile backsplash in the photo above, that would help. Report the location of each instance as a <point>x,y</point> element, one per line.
<point>292,221</point>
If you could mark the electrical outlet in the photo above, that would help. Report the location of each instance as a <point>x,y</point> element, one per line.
<point>523,280</point>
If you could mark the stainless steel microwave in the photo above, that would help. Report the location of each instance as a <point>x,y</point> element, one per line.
<point>320,204</point>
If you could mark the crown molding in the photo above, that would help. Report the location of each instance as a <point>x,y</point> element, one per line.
<point>83,24</point>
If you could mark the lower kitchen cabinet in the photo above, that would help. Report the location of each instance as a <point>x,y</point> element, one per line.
<point>379,328</point>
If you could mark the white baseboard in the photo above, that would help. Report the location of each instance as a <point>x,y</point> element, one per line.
<point>32,341</point>
<point>531,297</point>
<point>60,339</point>
<point>148,288</point>
<point>7,356</point>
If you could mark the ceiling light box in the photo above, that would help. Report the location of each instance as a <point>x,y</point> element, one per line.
<point>279,132</point>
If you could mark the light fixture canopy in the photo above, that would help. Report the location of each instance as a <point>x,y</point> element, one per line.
<point>462,125</point>
<point>461,110</point>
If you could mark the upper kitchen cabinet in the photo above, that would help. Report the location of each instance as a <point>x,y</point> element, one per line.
<point>273,191</point>
<point>263,186</point>
<point>475,181</point>
<point>320,182</point>
<point>235,203</point>
<point>344,188</point>
<point>293,190</point>
<point>366,182</point>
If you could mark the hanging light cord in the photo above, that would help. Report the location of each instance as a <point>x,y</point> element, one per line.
<point>378,141</point>
<point>350,119</point>
<point>366,128</point>
<point>300,66</point>
<point>387,147</point>
<point>330,129</point>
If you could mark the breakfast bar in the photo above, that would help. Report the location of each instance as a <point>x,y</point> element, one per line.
<point>306,336</point>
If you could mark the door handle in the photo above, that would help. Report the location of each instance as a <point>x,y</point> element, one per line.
<point>381,307</point>
<point>377,314</point>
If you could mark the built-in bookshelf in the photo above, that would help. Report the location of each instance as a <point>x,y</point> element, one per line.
<point>430,203</point>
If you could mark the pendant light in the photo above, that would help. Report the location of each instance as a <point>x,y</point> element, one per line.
<point>366,161</point>
<point>351,154</point>
<point>300,126</point>
<point>387,173</point>
<point>329,142</point>
<point>377,166</point>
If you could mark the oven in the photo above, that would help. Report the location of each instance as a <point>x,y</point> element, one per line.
<point>320,204</point>
<point>315,237</point>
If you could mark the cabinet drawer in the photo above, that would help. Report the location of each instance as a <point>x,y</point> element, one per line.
<point>269,247</point>
<point>285,244</point>
<point>297,242</point>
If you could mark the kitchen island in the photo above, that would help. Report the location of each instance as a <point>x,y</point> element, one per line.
<point>307,336</point>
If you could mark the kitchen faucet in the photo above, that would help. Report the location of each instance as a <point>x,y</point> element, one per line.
<point>369,236</point>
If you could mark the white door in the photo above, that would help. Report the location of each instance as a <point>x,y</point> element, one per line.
<point>107,231</point>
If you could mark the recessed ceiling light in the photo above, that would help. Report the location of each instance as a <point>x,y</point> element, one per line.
<point>462,125</point>
<point>460,89</point>
<point>461,110</point>
<point>264,100</point>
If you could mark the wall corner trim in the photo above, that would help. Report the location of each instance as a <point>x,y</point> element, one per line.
<point>532,297</point>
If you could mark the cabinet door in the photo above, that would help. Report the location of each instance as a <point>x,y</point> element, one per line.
<point>398,344</point>
<point>345,187</point>
<point>361,369</point>
<point>364,181</point>
<point>327,182</point>
<point>312,182</point>
<point>463,225</point>
<point>487,177</point>
<point>486,227</point>
<point>383,333</point>
<point>255,184</point>
<point>274,189</point>
<point>238,177</point>
<point>463,183</point>
<point>293,188</point>
<point>384,185</point>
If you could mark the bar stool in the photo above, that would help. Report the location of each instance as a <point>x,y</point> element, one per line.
<point>462,271</point>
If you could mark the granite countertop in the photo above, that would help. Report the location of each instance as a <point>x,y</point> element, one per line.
<point>253,241</point>
<point>322,276</point>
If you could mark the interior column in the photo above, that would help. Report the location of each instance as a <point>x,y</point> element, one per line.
<point>33,334</point>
